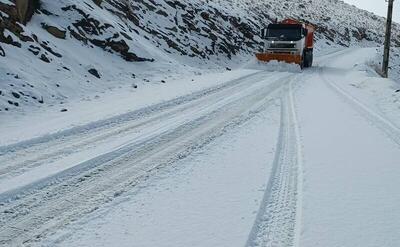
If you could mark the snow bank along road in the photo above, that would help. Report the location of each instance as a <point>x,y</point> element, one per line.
<point>268,159</point>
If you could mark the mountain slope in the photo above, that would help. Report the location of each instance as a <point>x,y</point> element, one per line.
<point>70,48</point>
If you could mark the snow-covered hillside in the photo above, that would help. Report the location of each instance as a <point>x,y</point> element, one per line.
<point>78,49</point>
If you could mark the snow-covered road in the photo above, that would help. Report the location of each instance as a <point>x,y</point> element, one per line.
<point>264,159</point>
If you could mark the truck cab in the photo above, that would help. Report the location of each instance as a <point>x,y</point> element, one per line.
<point>288,41</point>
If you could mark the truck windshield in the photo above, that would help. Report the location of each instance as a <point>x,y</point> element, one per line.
<point>284,32</point>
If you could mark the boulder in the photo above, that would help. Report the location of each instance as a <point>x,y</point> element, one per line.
<point>25,9</point>
<point>94,72</point>
<point>56,32</point>
<point>98,2</point>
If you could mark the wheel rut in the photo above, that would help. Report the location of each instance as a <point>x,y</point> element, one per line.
<point>278,219</point>
<point>34,213</point>
<point>391,130</point>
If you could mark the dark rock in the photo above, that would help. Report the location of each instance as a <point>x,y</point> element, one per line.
<point>64,110</point>
<point>122,48</point>
<point>26,9</point>
<point>94,72</point>
<point>46,12</point>
<point>9,40</point>
<point>77,36</point>
<point>45,46</point>
<point>205,16</point>
<point>26,38</point>
<point>44,58</point>
<point>228,69</point>
<point>163,81</point>
<point>35,50</point>
<point>161,12</point>
<point>98,2</point>
<point>56,32</point>
<point>16,95</point>
<point>126,36</point>
<point>2,52</point>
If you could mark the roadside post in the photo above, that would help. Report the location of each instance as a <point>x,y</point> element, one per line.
<point>386,54</point>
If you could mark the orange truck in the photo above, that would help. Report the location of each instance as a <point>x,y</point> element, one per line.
<point>289,41</point>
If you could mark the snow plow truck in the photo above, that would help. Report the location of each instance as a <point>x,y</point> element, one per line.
<point>288,41</point>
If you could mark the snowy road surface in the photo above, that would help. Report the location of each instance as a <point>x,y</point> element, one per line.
<point>261,159</point>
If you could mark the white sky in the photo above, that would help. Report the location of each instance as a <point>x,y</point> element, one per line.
<point>377,6</point>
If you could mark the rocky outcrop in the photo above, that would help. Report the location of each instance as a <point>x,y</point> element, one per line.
<point>56,32</point>
<point>86,28</point>
<point>184,27</point>
<point>26,9</point>
<point>9,22</point>
<point>98,2</point>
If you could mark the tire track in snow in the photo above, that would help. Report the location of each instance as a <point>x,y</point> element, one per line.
<point>386,126</point>
<point>31,216</point>
<point>278,221</point>
<point>19,162</point>
<point>120,119</point>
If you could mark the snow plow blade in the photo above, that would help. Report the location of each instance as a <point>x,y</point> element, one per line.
<point>287,58</point>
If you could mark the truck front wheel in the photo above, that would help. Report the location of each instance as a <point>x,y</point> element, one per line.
<point>308,58</point>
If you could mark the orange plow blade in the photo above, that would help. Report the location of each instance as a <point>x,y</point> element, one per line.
<point>288,58</point>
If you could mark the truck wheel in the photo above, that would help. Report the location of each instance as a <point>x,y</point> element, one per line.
<point>304,61</point>
<point>311,59</point>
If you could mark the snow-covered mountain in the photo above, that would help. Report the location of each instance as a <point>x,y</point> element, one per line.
<point>71,48</point>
